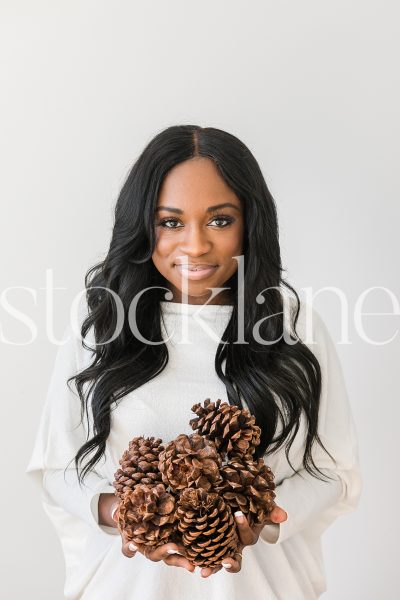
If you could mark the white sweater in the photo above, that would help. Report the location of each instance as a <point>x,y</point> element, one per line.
<point>285,564</point>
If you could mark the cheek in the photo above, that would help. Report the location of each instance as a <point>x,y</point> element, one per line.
<point>164,246</point>
<point>232,243</point>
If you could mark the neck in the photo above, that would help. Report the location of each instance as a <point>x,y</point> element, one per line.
<point>223,298</point>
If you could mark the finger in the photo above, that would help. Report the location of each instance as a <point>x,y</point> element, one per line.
<point>278,515</point>
<point>175,560</point>
<point>246,534</point>
<point>129,549</point>
<point>207,571</point>
<point>114,512</point>
<point>232,565</point>
<point>163,551</point>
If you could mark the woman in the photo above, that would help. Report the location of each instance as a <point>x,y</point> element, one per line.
<point>188,304</point>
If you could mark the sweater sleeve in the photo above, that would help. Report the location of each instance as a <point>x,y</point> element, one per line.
<point>59,436</point>
<point>82,502</point>
<point>313,504</point>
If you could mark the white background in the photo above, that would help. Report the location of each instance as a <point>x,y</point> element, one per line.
<point>312,87</point>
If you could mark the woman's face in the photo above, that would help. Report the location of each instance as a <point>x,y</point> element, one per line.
<point>192,229</point>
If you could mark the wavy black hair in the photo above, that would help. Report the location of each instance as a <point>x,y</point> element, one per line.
<point>256,372</point>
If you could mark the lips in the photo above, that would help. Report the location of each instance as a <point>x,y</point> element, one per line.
<point>196,271</point>
<point>196,267</point>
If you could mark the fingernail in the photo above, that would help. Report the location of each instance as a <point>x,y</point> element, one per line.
<point>227,565</point>
<point>238,514</point>
<point>172,551</point>
<point>132,547</point>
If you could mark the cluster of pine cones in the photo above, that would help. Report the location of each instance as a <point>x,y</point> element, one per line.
<point>188,490</point>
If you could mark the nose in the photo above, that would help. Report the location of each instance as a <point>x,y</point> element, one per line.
<point>195,242</point>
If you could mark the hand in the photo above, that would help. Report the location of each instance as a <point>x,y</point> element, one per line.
<point>248,537</point>
<point>172,554</point>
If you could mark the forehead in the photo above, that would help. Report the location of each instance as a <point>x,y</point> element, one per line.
<point>195,183</point>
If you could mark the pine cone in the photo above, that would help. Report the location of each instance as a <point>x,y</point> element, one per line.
<point>248,486</point>
<point>190,461</point>
<point>147,515</point>
<point>207,526</point>
<point>232,429</point>
<point>139,464</point>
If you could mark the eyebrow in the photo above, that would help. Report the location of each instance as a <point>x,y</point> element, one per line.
<point>209,209</point>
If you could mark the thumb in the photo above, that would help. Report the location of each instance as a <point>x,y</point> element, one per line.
<point>278,515</point>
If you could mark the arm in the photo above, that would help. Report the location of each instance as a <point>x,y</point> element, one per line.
<point>304,498</point>
<point>92,503</point>
<point>60,435</point>
<point>310,502</point>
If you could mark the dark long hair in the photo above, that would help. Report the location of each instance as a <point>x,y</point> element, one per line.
<point>256,372</point>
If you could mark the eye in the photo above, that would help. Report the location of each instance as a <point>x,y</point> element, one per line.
<point>223,218</point>
<point>164,222</point>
